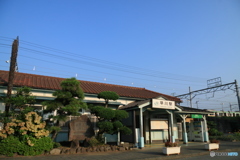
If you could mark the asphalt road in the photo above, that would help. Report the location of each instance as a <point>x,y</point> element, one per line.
<point>190,151</point>
<point>208,157</point>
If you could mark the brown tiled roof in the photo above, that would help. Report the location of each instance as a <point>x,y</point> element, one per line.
<point>189,109</point>
<point>53,83</point>
<point>134,104</point>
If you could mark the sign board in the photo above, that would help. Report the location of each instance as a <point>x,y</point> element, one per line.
<point>196,116</point>
<point>80,128</point>
<point>159,124</point>
<point>163,104</point>
<point>189,120</point>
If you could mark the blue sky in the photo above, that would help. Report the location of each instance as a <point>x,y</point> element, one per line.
<point>164,46</point>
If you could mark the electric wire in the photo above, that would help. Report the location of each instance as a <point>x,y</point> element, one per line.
<point>98,65</point>
<point>80,68</point>
<point>94,59</point>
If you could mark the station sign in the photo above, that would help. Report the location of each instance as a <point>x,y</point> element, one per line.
<point>163,104</point>
<point>196,116</point>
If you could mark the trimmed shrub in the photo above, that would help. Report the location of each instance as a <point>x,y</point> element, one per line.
<point>171,144</point>
<point>215,132</point>
<point>9,146</point>
<point>94,142</point>
<point>56,145</point>
<point>40,146</point>
<point>226,138</point>
<point>214,141</point>
<point>237,136</point>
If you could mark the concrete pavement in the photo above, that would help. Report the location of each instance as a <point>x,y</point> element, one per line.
<point>150,152</point>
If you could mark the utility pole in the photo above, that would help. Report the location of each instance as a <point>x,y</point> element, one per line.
<point>12,69</point>
<point>238,98</point>
<point>230,105</point>
<point>190,94</point>
<point>222,106</point>
<point>197,104</point>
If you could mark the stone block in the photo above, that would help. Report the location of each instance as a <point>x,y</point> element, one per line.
<point>101,149</point>
<point>113,148</point>
<point>55,151</point>
<point>73,150</point>
<point>79,150</point>
<point>94,149</point>
<point>121,148</point>
<point>65,151</point>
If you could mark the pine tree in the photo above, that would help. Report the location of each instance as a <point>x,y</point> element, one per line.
<point>68,101</point>
<point>109,120</point>
<point>108,95</point>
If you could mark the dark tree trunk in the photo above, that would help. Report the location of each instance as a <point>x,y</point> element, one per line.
<point>54,135</point>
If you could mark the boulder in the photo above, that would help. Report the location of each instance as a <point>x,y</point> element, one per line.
<point>79,150</point>
<point>65,151</point>
<point>121,148</point>
<point>73,150</point>
<point>55,151</point>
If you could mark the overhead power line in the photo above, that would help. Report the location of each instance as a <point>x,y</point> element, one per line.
<point>128,70</point>
<point>99,60</point>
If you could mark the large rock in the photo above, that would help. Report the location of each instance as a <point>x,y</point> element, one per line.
<point>55,151</point>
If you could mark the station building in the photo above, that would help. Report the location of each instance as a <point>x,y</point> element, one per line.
<point>153,117</point>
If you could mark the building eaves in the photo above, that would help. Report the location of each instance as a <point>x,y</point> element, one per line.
<point>134,104</point>
<point>189,109</point>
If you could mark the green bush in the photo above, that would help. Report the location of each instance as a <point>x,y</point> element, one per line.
<point>214,141</point>
<point>229,137</point>
<point>11,145</point>
<point>40,146</point>
<point>214,137</point>
<point>94,142</point>
<point>215,132</point>
<point>237,136</point>
<point>226,137</point>
<point>171,144</point>
<point>56,145</point>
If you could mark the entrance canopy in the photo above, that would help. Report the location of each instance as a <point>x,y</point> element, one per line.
<point>160,116</point>
<point>163,104</point>
<point>152,105</point>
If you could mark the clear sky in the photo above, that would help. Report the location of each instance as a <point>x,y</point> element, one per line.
<point>162,45</point>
